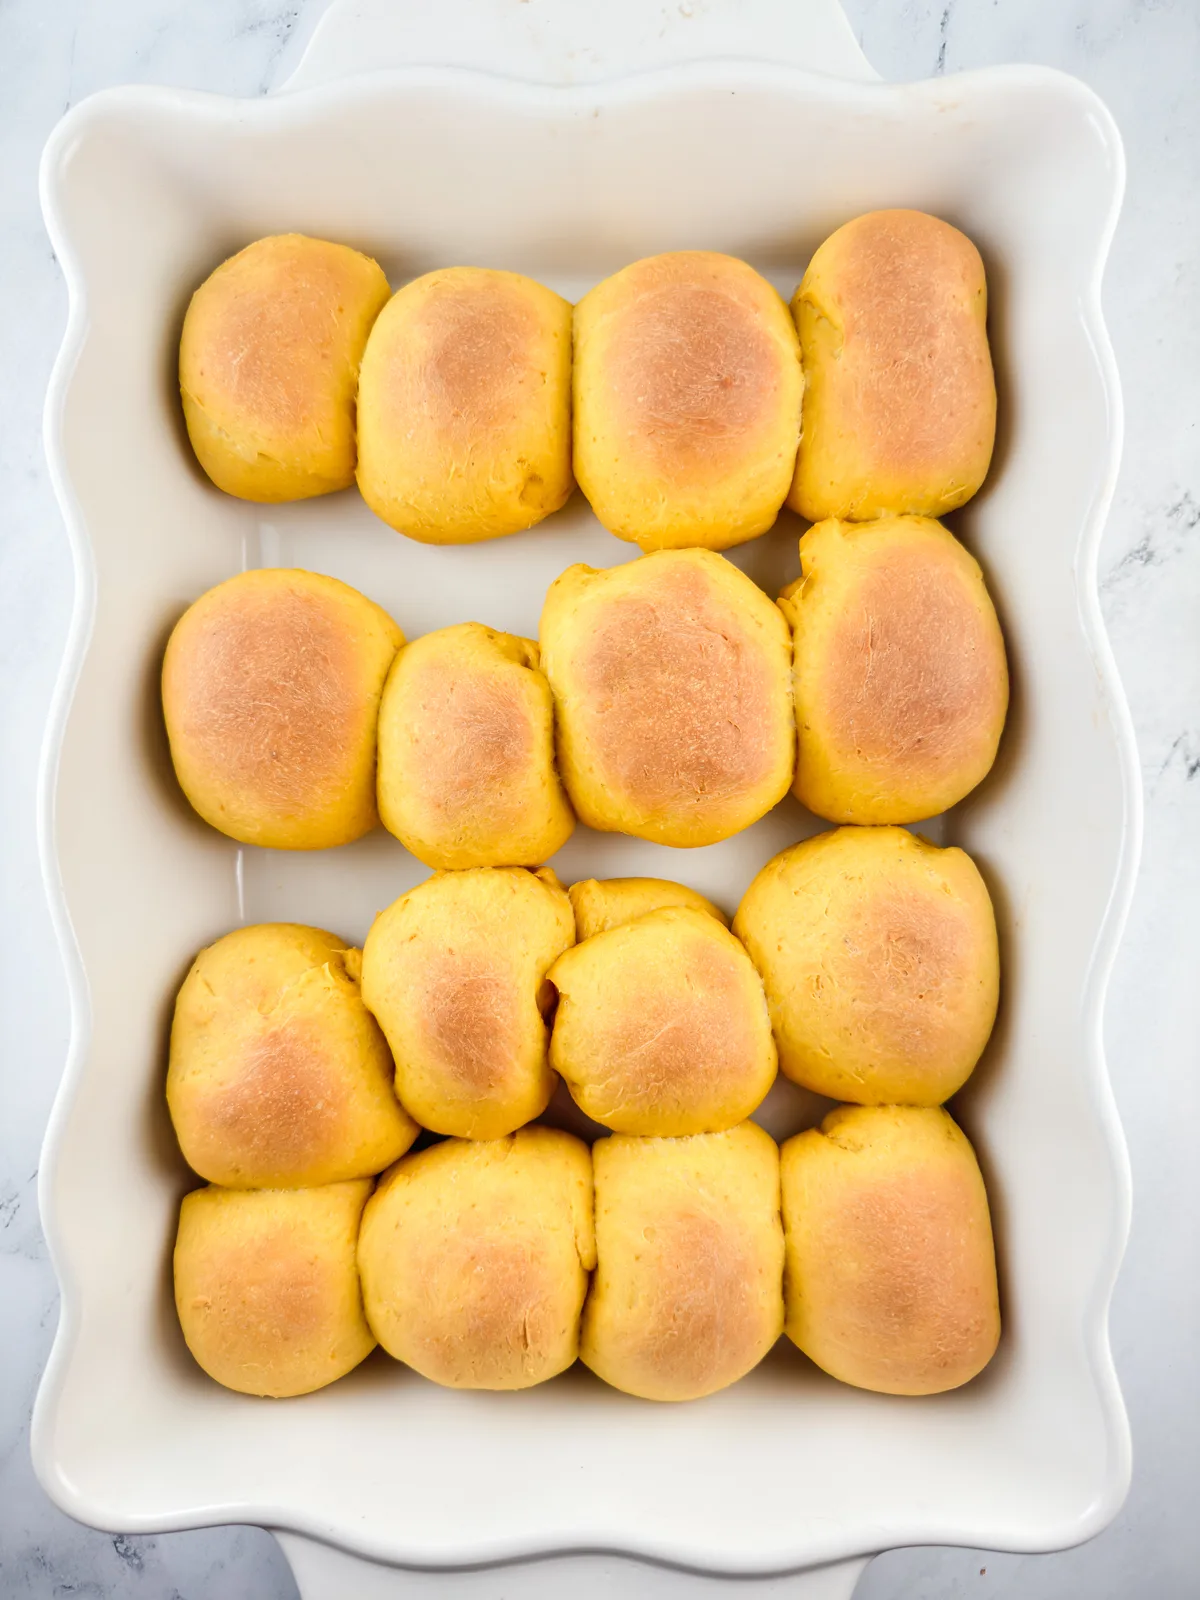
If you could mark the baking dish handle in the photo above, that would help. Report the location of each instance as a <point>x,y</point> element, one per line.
<point>576,41</point>
<point>323,1573</point>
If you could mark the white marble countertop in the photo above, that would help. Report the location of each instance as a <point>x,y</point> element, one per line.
<point>1142,56</point>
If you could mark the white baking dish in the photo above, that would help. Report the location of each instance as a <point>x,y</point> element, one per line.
<point>144,191</point>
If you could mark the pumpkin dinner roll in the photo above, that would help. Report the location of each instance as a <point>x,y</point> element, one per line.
<point>604,903</point>
<point>466,752</point>
<point>687,1295</point>
<point>899,396</point>
<point>879,957</point>
<point>662,1026</point>
<point>279,1077</point>
<point>687,401</point>
<point>455,973</point>
<point>475,1256</point>
<point>899,670</point>
<point>271,685</point>
<point>464,406</point>
<point>268,366</point>
<point>890,1281</point>
<point>266,1286</point>
<point>672,687</point>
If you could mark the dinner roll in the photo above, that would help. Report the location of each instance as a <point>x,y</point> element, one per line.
<point>879,957</point>
<point>899,397</point>
<point>455,972</point>
<point>671,678</point>
<point>687,401</point>
<point>662,1026</point>
<point>268,366</point>
<point>279,1077</point>
<point>266,1286</point>
<point>687,1295</point>
<point>891,1273</point>
<point>475,1257</point>
<point>604,903</point>
<point>466,752</point>
<point>900,678</point>
<point>271,686</point>
<point>464,406</point>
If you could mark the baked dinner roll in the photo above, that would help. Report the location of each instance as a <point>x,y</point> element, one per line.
<point>687,1295</point>
<point>604,903</point>
<point>279,1077</point>
<point>899,397</point>
<point>900,678</point>
<point>672,687</point>
<point>878,953</point>
<point>466,752</point>
<point>268,366</point>
<point>455,972</point>
<point>464,406</point>
<point>475,1257</point>
<point>891,1273</point>
<point>266,1286</point>
<point>271,686</point>
<point>687,401</point>
<point>662,1026</point>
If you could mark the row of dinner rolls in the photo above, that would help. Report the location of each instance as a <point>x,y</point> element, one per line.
<point>670,1266</point>
<point>863,962</point>
<point>667,698</point>
<point>469,402</point>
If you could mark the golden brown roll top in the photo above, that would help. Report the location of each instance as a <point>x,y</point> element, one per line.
<point>603,903</point>
<point>672,686</point>
<point>455,971</point>
<point>900,676</point>
<point>687,401</point>
<point>879,957</point>
<point>268,366</point>
<point>475,1257</point>
<point>687,1295</point>
<point>266,1286</point>
<point>899,397</point>
<point>662,1026</point>
<point>466,752</point>
<point>279,1076</point>
<point>464,406</point>
<point>271,685</point>
<point>891,1274</point>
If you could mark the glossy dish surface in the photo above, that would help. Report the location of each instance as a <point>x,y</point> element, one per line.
<point>145,192</point>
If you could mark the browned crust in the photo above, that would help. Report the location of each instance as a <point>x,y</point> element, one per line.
<point>905,291</point>
<point>676,696</point>
<point>703,1326</point>
<point>281,1108</point>
<point>472,340</point>
<point>913,676</point>
<point>269,338</point>
<point>691,369</point>
<point>262,693</point>
<point>475,738</point>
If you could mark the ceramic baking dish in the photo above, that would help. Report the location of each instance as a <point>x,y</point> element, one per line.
<point>145,191</point>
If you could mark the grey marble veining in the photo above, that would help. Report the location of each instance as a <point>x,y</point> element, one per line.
<point>1143,57</point>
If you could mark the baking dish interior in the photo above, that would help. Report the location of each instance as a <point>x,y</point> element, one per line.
<point>146,191</point>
